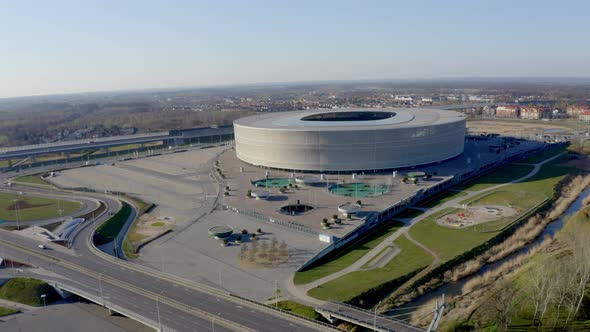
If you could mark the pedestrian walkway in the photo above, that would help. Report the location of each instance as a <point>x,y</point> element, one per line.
<point>301,290</point>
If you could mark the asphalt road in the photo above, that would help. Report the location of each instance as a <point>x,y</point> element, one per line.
<point>182,306</point>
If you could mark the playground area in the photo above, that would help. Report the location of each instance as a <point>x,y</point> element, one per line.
<point>477,214</point>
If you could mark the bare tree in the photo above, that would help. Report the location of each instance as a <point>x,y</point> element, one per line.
<point>501,304</point>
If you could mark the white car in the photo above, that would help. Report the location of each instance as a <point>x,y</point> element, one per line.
<point>42,246</point>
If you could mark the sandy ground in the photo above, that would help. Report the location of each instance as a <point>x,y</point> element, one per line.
<point>194,255</point>
<point>177,183</point>
<point>477,214</point>
<point>516,128</point>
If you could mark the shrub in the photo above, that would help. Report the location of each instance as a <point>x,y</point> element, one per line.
<point>334,216</point>
<point>253,236</point>
<point>239,238</point>
<point>244,231</point>
<point>259,231</point>
<point>325,221</point>
<point>224,242</point>
<point>359,202</point>
<point>249,193</point>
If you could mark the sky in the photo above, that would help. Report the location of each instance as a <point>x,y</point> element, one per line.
<point>51,47</point>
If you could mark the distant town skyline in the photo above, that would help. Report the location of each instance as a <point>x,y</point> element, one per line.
<point>83,46</point>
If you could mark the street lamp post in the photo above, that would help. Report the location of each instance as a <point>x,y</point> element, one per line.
<point>375,317</point>
<point>43,296</point>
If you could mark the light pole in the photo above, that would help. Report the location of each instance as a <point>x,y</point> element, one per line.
<point>17,215</point>
<point>375,317</point>
<point>43,296</point>
<point>213,321</point>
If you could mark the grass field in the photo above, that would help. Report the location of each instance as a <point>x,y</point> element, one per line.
<point>32,179</point>
<point>7,311</point>
<point>298,308</point>
<point>108,231</point>
<point>33,208</point>
<point>441,199</point>
<point>347,256</point>
<point>450,242</point>
<point>540,156</point>
<point>409,213</point>
<point>27,291</point>
<point>521,199</point>
<point>445,241</point>
<point>501,175</point>
<point>350,285</point>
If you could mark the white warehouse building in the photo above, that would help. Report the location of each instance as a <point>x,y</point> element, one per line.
<point>350,139</point>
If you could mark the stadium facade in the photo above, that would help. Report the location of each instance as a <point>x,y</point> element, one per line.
<point>350,139</point>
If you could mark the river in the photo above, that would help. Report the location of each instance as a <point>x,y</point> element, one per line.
<point>454,288</point>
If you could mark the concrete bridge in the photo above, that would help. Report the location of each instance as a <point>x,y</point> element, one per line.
<point>333,311</point>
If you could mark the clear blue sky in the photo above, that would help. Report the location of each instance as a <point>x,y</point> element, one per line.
<point>73,46</point>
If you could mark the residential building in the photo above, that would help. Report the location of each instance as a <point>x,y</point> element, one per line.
<point>574,111</point>
<point>508,111</point>
<point>534,113</point>
<point>584,116</point>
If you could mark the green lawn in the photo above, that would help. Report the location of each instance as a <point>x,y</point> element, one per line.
<point>298,308</point>
<point>345,288</point>
<point>501,175</point>
<point>521,199</point>
<point>347,256</point>
<point>158,224</point>
<point>7,311</point>
<point>33,179</point>
<point>440,199</point>
<point>27,291</point>
<point>445,241</point>
<point>409,213</point>
<point>545,154</point>
<point>450,242</point>
<point>108,231</point>
<point>33,208</point>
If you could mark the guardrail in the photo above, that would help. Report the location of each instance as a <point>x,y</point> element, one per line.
<point>109,305</point>
<point>196,286</point>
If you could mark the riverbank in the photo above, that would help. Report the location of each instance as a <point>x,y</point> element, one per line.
<point>469,294</point>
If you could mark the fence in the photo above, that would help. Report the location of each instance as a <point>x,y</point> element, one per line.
<point>288,224</point>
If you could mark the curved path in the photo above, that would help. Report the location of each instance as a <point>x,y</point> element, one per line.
<point>301,290</point>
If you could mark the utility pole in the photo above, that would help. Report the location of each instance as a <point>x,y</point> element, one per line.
<point>438,312</point>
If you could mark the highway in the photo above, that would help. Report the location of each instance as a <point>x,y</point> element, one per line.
<point>183,305</point>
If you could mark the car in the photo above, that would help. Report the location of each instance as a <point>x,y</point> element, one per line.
<point>42,246</point>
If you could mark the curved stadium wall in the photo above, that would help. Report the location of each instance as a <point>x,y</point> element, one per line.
<point>350,140</point>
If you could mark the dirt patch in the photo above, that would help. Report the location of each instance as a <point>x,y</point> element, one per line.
<point>148,227</point>
<point>476,214</point>
<point>261,253</point>
<point>515,128</point>
<point>21,205</point>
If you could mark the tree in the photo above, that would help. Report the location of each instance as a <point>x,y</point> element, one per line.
<point>501,304</point>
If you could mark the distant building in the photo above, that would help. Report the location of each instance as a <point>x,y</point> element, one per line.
<point>508,111</point>
<point>488,111</point>
<point>574,111</point>
<point>534,113</point>
<point>557,114</point>
<point>584,116</point>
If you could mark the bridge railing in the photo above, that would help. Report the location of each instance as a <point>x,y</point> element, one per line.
<point>109,305</point>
